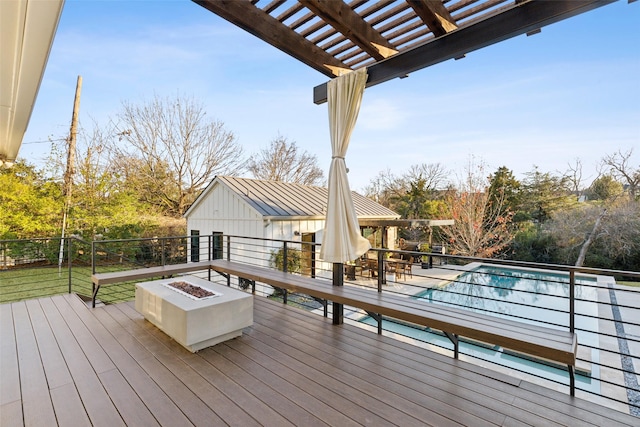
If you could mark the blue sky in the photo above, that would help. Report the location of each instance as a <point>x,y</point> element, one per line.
<point>572,91</point>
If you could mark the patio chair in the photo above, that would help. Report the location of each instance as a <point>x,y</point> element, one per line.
<point>372,265</point>
<point>407,267</point>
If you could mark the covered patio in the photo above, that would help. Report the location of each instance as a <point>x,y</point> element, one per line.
<point>66,364</point>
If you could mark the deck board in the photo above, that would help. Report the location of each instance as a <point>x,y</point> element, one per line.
<point>53,362</point>
<point>95,399</point>
<point>157,342</point>
<point>290,368</point>
<point>10,399</point>
<point>113,341</point>
<point>337,360</point>
<point>36,400</point>
<point>68,406</point>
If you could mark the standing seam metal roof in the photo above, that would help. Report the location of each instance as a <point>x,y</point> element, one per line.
<point>282,199</point>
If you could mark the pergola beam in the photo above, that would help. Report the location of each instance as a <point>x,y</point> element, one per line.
<point>345,20</point>
<point>262,25</point>
<point>518,20</point>
<point>434,15</point>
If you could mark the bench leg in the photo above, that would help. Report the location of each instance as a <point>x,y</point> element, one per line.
<point>454,339</point>
<point>572,380</point>
<point>94,294</point>
<point>324,303</point>
<point>378,318</point>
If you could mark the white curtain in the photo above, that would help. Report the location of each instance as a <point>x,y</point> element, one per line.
<point>342,241</point>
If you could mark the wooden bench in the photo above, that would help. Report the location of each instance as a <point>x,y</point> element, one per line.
<point>547,343</point>
<point>98,279</point>
<point>539,341</point>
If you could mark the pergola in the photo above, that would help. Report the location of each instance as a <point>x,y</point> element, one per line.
<point>391,38</point>
<point>360,43</point>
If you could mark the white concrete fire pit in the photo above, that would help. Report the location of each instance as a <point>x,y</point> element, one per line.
<point>195,322</point>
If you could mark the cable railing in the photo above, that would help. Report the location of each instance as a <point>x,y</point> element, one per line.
<point>601,306</point>
<point>34,268</point>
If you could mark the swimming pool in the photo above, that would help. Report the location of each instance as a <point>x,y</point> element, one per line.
<point>532,296</point>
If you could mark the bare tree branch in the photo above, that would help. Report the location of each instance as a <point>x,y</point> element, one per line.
<point>281,161</point>
<point>619,163</point>
<point>172,150</point>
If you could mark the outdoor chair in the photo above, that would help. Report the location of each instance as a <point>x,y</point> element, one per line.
<point>407,267</point>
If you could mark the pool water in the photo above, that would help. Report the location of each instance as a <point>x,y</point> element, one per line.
<point>533,296</point>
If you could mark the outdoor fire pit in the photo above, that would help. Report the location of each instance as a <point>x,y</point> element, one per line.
<point>195,312</point>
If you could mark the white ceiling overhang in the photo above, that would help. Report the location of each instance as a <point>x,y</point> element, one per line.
<point>27,29</point>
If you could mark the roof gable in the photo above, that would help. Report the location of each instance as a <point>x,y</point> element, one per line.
<point>283,199</point>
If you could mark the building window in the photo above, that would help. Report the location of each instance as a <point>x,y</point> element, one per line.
<point>195,245</point>
<point>218,247</point>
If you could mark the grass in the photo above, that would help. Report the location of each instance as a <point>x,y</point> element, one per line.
<point>28,283</point>
<point>626,283</point>
<point>21,284</point>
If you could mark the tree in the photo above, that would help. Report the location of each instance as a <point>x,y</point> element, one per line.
<point>574,177</point>
<point>544,193</point>
<point>30,204</point>
<point>420,184</point>
<point>169,151</point>
<point>101,204</point>
<point>621,169</point>
<point>482,226</point>
<point>604,187</point>
<point>506,188</point>
<point>598,237</point>
<point>281,161</point>
<point>385,188</point>
<point>413,193</point>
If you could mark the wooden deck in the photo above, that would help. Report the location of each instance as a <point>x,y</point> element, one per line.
<point>63,363</point>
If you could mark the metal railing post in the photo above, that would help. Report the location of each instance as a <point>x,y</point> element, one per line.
<point>382,277</point>
<point>69,251</point>
<point>93,257</point>
<point>572,301</point>
<point>285,268</point>
<point>162,255</point>
<point>285,255</point>
<point>313,260</point>
<point>338,280</point>
<point>209,256</point>
<point>93,271</point>
<point>229,259</point>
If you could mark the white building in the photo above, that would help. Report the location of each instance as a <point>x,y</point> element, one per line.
<point>261,209</point>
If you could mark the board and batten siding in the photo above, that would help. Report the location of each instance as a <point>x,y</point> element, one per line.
<point>223,211</point>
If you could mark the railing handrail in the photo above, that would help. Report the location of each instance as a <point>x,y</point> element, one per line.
<point>505,262</point>
<point>516,263</point>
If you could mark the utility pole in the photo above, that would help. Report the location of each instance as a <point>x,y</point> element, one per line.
<point>71,161</point>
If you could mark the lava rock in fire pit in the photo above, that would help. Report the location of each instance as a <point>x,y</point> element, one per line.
<point>193,290</point>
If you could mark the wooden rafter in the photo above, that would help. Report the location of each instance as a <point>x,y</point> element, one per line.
<point>434,15</point>
<point>392,38</point>
<point>252,19</point>
<point>345,20</point>
<point>509,23</point>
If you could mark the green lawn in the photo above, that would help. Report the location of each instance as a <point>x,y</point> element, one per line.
<point>634,284</point>
<point>29,283</point>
